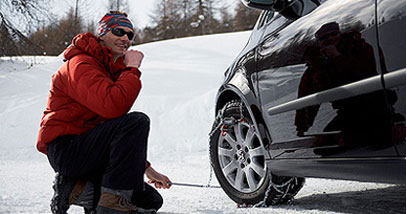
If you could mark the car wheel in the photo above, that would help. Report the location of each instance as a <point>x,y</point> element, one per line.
<point>238,158</point>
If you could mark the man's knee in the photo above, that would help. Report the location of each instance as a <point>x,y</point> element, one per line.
<point>157,201</point>
<point>150,198</point>
<point>139,118</point>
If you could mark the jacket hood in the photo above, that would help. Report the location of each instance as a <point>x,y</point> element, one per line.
<point>88,43</point>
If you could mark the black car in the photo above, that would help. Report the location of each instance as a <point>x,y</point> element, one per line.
<point>319,90</point>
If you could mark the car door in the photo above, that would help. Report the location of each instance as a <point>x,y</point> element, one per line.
<point>392,41</point>
<point>319,84</point>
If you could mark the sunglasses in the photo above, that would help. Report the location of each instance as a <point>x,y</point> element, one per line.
<point>120,32</point>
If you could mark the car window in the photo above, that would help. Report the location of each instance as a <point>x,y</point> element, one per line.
<point>269,17</point>
<point>275,24</point>
<point>299,8</point>
<point>265,18</point>
<point>261,19</point>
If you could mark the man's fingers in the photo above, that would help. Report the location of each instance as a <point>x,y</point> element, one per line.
<point>157,184</point>
<point>133,58</point>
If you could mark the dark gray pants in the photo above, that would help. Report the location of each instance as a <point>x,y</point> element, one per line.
<point>113,153</point>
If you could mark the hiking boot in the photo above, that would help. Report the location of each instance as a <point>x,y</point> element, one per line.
<point>89,210</point>
<point>68,191</point>
<point>110,203</point>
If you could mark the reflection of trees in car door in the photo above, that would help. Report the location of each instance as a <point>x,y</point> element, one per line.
<point>341,54</point>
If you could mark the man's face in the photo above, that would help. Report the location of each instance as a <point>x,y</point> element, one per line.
<point>118,44</point>
<point>329,38</point>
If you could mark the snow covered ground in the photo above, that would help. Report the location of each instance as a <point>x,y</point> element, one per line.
<point>180,79</point>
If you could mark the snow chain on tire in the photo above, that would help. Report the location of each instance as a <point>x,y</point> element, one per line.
<point>216,126</point>
<point>280,189</point>
<point>284,193</point>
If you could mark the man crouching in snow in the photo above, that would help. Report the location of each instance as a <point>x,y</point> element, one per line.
<point>96,147</point>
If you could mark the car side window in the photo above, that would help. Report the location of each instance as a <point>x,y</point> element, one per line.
<point>265,18</point>
<point>275,24</point>
<point>269,17</point>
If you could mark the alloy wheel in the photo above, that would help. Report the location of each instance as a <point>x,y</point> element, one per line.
<point>241,157</point>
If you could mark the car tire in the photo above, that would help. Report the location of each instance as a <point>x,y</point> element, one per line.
<point>238,158</point>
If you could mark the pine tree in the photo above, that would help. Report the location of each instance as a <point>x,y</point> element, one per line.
<point>226,22</point>
<point>202,18</point>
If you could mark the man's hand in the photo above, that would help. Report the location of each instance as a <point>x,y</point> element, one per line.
<point>133,58</point>
<point>159,180</point>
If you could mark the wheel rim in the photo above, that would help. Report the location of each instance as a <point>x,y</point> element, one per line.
<point>241,157</point>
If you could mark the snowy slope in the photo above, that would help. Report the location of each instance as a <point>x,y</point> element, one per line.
<point>180,78</point>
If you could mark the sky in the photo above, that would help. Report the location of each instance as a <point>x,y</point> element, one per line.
<point>95,9</point>
<point>140,10</point>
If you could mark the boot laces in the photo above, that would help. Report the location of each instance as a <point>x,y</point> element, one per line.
<point>123,202</point>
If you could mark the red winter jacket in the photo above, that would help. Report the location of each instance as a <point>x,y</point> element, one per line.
<point>87,90</point>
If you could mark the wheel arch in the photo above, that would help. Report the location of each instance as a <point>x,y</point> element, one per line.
<point>229,93</point>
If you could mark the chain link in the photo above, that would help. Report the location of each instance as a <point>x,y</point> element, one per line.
<point>263,203</point>
<point>219,119</point>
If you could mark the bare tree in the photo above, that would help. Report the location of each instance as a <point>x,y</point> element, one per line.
<point>181,18</point>
<point>83,10</point>
<point>24,14</point>
<point>203,16</point>
<point>7,45</point>
<point>226,21</point>
<point>17,19</point>
<point>166,19</point>
<point>55,37</point>
<point>119,5</point>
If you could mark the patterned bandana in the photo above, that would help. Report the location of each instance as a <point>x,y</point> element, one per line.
<point>110,21</point>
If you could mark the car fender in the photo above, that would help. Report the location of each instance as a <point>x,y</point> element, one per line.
<point>230,92</point>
